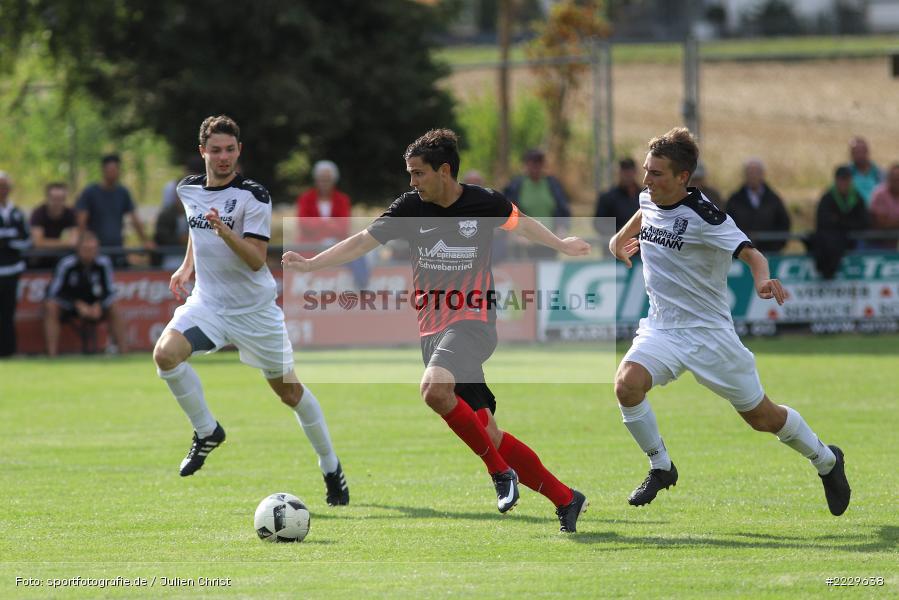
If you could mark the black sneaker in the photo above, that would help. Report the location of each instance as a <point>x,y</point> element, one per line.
<point>569,513</point>
<point>336,489</point>
<point>200,449</point>
<point>836,486</point>
<point>657,479</point>
<point>506,484</point>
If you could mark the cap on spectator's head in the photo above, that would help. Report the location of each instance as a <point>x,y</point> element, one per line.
<point>627,164</point>
<point>534,155</point>
<point>843,172</point>
<point>110,158</point>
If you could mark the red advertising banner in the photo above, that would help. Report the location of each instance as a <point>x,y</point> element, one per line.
<point>146,304</point>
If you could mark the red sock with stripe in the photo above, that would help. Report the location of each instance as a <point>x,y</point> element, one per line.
<point>531,471</point>
<point>465,424</point>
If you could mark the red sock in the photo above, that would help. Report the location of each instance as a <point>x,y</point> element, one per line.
<point>531,471</point>
<point>466,425</point>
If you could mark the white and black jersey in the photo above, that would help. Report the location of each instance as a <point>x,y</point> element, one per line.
<point>14,238</point>
<point>224,282</point>
<point>73,280</point>
<point>687,249</point>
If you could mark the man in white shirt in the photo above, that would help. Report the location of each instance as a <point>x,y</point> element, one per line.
<point>233,302</point>
<point>687,246</point>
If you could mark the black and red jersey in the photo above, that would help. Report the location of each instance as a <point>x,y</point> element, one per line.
<point>450,251</point>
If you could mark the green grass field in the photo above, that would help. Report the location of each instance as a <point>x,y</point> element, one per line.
<point>89,450</point>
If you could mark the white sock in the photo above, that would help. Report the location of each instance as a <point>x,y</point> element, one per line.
<point>186,386</point>
<point>799,436</point>
<point>310,416</point>
<point>641,422</point>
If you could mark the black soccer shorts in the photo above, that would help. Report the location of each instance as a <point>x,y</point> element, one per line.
<point>462,349</point>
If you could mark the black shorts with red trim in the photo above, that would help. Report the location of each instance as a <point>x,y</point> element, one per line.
<point>462,348</point>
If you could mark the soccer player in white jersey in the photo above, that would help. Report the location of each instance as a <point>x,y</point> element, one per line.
<point>233,302</point>
<point>687,246</point>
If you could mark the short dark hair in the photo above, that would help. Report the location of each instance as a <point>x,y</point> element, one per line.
<point>436,147</point>
<point>54,185</point>
<point>218,124</point>
<point>111,158</point>
<point>842,172</point>
<point>627,164</point>
<point>679,147</point>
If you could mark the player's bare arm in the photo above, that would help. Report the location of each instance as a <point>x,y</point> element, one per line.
<point>625,243</point>
<point>765,287</point>
<point>535,231</point>
<point>181,277</point>
<point>250,250</point>
<point>340,253</point>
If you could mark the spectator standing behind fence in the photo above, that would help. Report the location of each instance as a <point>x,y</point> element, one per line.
<point>755,207</point>
<point>53,226</point>
<point>622,200</point>
<point>841,211</point>
<point>865,174</point>
<point>14,238</point>
<point>324,216</point>
<point>698,180</point>
<point>82,288</point>
<point>102,207</point>
<point>540,196</point>
<point>885,206</point>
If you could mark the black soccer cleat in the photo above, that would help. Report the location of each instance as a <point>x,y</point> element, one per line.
<point>657,479</point>
<point>506,484</point>
<point>568,514</point>
<point>836,486</point>
<point>200,449</point>
<point>337,492</point>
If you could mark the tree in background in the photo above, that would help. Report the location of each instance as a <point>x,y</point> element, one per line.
<point>350,81</point>
<point>569,29</point>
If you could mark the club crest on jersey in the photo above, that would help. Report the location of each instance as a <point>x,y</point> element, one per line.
<point>230,204</point>
<point>468,228</point>
<point>680,225</point>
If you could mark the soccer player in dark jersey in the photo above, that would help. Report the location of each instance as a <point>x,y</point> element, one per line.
<point>450,228</point>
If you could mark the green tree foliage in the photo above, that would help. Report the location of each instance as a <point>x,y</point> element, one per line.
<point>350,81</point>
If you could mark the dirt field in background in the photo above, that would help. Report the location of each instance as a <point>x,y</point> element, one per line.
<point>797,117</point>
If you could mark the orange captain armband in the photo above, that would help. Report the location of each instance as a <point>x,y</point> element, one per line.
<point>512,222</point>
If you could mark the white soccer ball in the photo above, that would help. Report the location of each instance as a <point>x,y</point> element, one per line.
<point>281,517</point>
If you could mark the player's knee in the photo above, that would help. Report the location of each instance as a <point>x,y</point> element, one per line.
<point>165,358</point>
<point>291,394</point>
<point>496,436</point>
<point>51,309</point>
<point>436,398</point>
<point>627,392</point>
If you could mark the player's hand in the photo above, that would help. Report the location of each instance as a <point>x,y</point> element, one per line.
<point>771,288</point>
<point>295,262</point>
<point>218,226</point>
<point>178,283</point>
<point>625,251</point>
<point>575,246</point>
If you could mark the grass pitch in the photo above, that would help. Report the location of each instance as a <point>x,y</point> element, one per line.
<point>89,450</point>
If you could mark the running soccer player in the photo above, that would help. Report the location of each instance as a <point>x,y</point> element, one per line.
<point>233,302</point>
<point>450,229</point>
<point>687,246</point>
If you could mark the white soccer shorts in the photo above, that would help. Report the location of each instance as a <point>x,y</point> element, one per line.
<point>716,357</point>
<point>260,336</point>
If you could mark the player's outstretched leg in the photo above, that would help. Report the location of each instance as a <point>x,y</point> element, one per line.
<point>170,354</point>
<point>570,504</point>
<point>631,384</point>
<point>310,417</point>
<point>791,429</point>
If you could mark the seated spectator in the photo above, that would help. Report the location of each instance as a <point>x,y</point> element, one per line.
<point>622,200</point>
<point>699,181</point>
<point>885,206</point>
<point>841,211</point>
<point>82,290</point>
<point>865,174</point>
<point>53,226</point>
<point>102,207</point>
<point>542,197</point>
<point>755,207</point>
<point>324,216</point>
